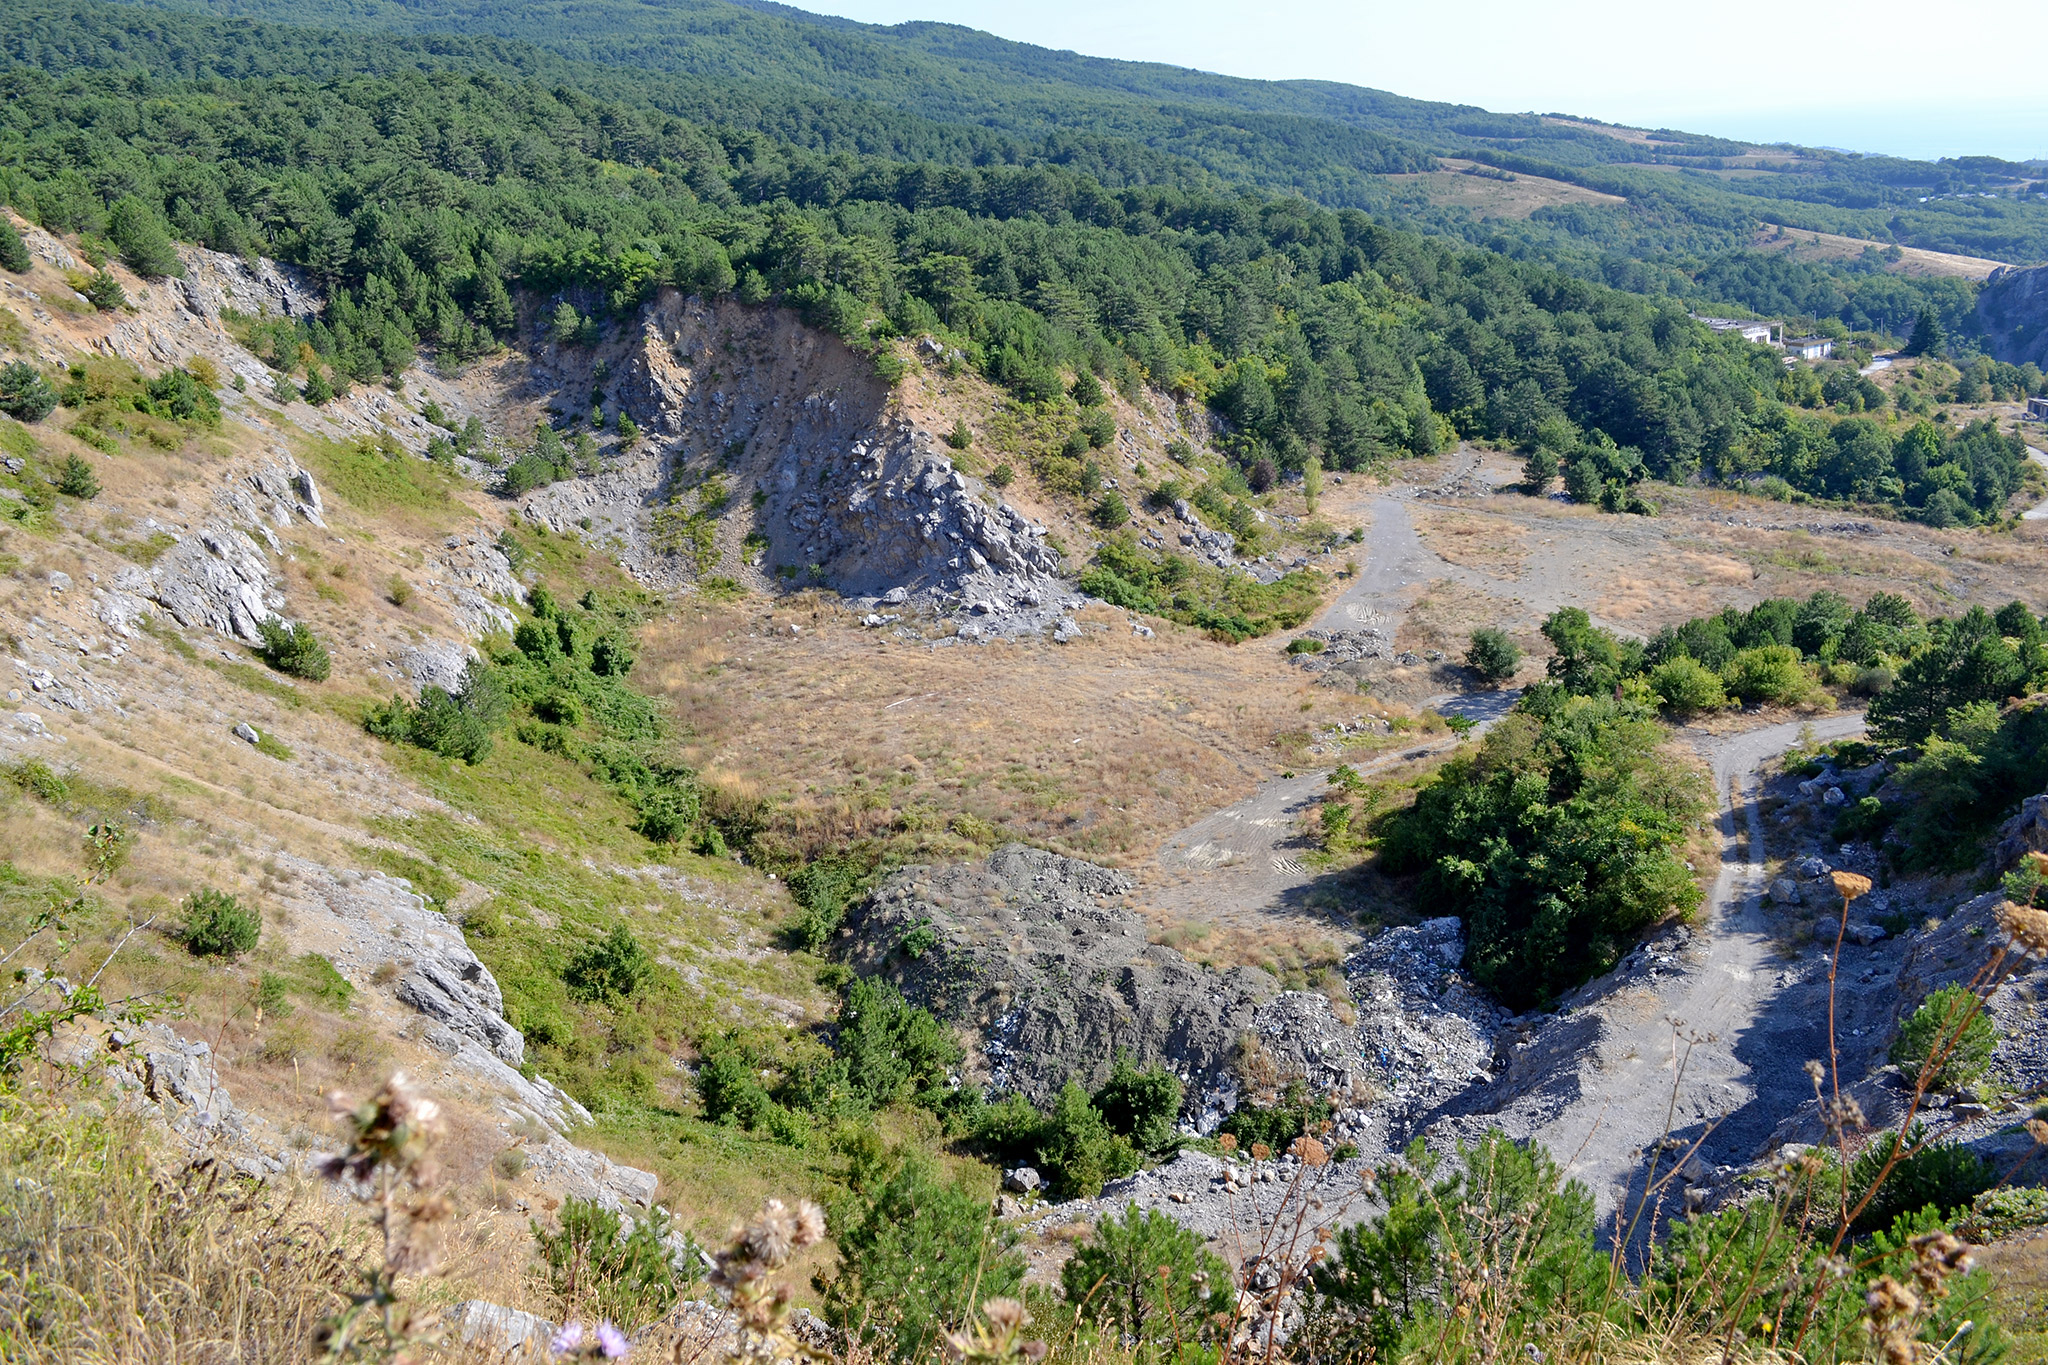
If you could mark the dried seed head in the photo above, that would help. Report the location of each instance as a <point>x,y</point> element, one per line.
<point>1228,1142</point>
<point>1815,1070</point>
<point>1260,1151</point>
<point>2037,1129</point>
<point>1309,1151</point>
<point>2027,926</point>
<point>1849,885</point>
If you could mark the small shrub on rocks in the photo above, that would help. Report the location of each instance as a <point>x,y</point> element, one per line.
<point>293,649</point>
<point>1939,1027</point>
<point>218,925</point>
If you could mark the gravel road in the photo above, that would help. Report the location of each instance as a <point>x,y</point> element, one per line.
<point>1742,1070</point>
<point>2039,457</point>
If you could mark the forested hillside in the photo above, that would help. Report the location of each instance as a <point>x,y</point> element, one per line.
<point>426,202</point>
<point>1322,139</point>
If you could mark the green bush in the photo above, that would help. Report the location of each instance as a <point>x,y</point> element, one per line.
<point>144,242</point>
<point>218,925</point>
<point>1503,1215</point>
<point>1142,1106</point>
<point>104,292</point>
<point>609,970</point>
<point>893,1049</point>
<point>1558,842</point>
<point>823,889</point>
<point>1306,645</point>
<point>1942,1176</point>
<point>1111,511</point>
<point>1493,656</point>
<point>915,1257</point>
<point>1939,1026</point>
<point>1277,1125</point>
<point>1685,686</point>
<point>1150,1278</point>
<point>293,649</point>
<point>628,1278</point>
<point>24,394</point>
<point>75,478</point>
<point>1768,673</point>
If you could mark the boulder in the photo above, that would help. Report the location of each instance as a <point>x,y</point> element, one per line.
<point>1785,891</point>
<point>1022,1180</point>
<point>1031,952</point>
<point>2025,833</point>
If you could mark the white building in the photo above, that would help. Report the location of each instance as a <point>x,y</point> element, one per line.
<point>1762,333</point>
<point>1809,348</point>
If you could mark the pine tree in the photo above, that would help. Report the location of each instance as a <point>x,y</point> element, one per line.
<point>1927,336</point>
<point>13,251</point>
<point>318,390</point>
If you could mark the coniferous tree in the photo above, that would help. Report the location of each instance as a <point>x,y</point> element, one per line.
<point>13,251</point>
<point>1927,336</point>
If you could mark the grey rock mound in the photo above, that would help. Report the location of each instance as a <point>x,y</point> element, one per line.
<point>1030,952</point>
<point>1427,1032</point>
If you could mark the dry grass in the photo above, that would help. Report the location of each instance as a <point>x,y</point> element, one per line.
<point>1099,748</point>
<point>1488,197</point>
<point>1799,244</point>
<point>1493,545</point>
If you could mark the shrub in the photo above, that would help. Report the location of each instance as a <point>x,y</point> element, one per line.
<point>822,889</point>
<point>1768,673</point>
<point>610,969</point>
<point>892,1048</point>
<point>1002,476</point>
<point>218,925</point>
<point>75,478</point>
<point>1686,686</point>
<point>293,649</point>
<point>1938,1027</point>
<point>629,431</point>
<point>24,394</point>
<point>629,1278</point>
<point>1306,645</point>
<point>1111,511</point>
<point>1140,1105</point>
<point>318,389</point>
<point>1493,656</point>
<point>1557,842</point>
<point>1387,1284</point>
<point>960,437</point>
<point>1280,1123</point>
<point>1077,1150</point>
<point>104,292</point>
<point>1941,1176</point>
<point>914,1259</point>
<point>1149,1276</point>
<point>1098,428</point>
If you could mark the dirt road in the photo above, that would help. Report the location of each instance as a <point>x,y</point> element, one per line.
<point>2039,457</point>
<point>1743,1070</point>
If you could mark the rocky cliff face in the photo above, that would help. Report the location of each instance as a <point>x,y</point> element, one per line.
<point>822,482</point>
<point>2012,308</point>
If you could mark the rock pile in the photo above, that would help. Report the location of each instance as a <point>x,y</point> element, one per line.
<point>1427,1032</point>
<point>1030,952</point>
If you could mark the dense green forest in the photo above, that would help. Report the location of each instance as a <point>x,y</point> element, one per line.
<point>1321,139</point>
<point>933,92</point>
<point>430,182</point>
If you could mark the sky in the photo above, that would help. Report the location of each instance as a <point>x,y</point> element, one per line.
<point>1920,80</point>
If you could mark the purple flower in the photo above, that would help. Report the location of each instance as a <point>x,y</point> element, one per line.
<point>569,1340</point>
<point>611,1341</point>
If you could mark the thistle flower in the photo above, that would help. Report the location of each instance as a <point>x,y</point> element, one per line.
<point>611,1342</point>
<point>568,1341</point>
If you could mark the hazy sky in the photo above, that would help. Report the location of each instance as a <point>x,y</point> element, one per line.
<point>1920,80</point>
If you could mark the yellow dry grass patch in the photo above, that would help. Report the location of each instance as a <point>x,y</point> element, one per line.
<point>1099,748</point>
<point>1458,187</point>
<point>1492,545</point>
<point>1799,244</point>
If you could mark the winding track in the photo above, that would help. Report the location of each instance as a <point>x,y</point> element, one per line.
<point>1720,999</point>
